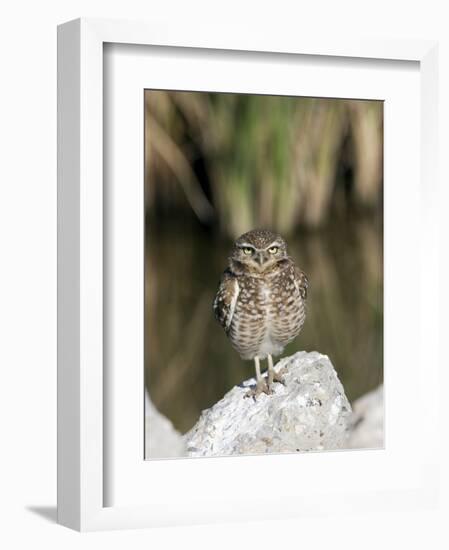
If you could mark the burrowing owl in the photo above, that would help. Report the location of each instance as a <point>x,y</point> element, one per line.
<point>261,300</point>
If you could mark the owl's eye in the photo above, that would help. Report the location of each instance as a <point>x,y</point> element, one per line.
<point>273,249</point>
<point>247,250</point>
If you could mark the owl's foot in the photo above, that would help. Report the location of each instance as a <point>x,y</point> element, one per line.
<point>274,376</point>
<point>277,376</point>
<point>260,387</point>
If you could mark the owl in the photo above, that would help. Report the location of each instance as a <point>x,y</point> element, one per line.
<point>261,301</point>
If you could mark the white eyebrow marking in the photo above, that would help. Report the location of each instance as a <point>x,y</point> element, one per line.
<point>275,243</point>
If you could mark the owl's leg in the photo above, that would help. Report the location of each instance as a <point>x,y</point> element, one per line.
<point>274,376</point>
<point>261,385</point>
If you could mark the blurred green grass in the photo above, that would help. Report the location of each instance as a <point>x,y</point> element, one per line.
<point>244,161</point>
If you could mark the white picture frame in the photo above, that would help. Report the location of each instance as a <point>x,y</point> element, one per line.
<point>84,396</point>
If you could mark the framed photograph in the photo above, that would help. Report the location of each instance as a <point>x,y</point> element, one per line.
<point>246,235</point>
<point>311,170</point>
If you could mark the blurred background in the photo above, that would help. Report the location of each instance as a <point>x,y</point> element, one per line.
<point>217,165</point>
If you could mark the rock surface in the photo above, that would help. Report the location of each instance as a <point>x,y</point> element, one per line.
<point>367,421</point>
<point>161,438</point>
<point>310,412</point>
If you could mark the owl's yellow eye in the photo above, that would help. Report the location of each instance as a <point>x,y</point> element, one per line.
<point>273,249</point>
<point>247,250</point>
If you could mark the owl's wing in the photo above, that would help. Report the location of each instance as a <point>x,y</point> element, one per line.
<point>301,282</point>
<point>226,299</point>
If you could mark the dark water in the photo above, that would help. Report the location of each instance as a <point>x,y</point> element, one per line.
<point>190,364</point>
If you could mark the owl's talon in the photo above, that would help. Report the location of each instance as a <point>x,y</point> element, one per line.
<point>260,387</point>
<point>277,376</point>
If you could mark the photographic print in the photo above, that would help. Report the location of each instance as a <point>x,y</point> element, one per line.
<point>263,274</point>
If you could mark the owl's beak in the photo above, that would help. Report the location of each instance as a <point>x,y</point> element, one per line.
<point>260,258</point>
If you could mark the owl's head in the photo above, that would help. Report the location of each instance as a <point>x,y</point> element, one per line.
<point>259,250</point>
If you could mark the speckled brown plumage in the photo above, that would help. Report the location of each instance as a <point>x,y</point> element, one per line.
<point>261,300</point>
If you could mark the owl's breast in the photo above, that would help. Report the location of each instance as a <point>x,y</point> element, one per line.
<point>285,313</point>
<point>269,313</point>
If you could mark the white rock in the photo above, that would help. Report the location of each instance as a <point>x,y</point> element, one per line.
<point>161,438</point>
<point>310,412</point>
<point>367,421</point>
